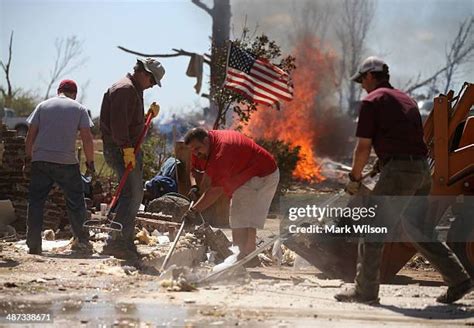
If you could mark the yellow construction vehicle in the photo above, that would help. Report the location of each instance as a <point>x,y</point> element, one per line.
<point>449,135</point>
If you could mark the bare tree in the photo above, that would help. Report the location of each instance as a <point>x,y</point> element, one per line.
<point>220,14</point>
<point>314,19</point>
<point>459,52</point>
<point>83,95</point>
<point>9,93</point>
<point>355,19</point>
<point>69,57</point>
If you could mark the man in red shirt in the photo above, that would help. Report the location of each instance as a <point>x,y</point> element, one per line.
<point>236,166</point>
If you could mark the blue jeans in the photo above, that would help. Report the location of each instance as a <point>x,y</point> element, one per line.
<point>68,178</point>
<point>132,193</point>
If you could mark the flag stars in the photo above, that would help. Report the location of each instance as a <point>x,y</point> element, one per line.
<point>240,60</point>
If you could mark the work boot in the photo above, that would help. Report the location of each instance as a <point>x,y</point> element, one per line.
<point>82,247</point>
<point>132,247</point>
<point>455,293</point>
<point>120,250</point>
<point>253,263</point>
<point>35,250</point>
<point>351,295</point>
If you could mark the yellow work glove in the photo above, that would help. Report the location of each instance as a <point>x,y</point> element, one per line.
<point>154,109</point>
<point>129,157</point>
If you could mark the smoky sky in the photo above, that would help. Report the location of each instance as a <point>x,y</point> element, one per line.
<point>411,35</point>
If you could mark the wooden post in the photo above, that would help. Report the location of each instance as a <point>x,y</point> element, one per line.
<point>183,169</point>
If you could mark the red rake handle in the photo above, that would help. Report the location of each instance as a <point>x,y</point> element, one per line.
<point>129,168</point>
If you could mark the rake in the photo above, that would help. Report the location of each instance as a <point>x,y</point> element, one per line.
<point>108,224</point>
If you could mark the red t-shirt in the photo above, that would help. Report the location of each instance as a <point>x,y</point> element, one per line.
<point>392,120</point>
<point>233,160</point>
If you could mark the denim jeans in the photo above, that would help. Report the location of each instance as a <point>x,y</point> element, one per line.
<point>68,178</point>
<point>132,193</point>
<point>405,178</point>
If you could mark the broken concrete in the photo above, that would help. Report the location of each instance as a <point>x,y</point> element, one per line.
<point>189,257</point>
<point>217,242</point>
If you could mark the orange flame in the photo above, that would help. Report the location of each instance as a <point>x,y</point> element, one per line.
<point>295,123</point>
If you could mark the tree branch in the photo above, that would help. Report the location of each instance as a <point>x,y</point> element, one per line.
<point>457,57</point>
<point>177,53</point>
<point>432,77</point>
<point>68,58</point>
<point>203,6</point>
<point>6,68</point>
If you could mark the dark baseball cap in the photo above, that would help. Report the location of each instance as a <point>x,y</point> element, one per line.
<point>67,85</point>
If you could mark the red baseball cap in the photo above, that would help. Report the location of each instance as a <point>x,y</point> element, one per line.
<point>67,85</point>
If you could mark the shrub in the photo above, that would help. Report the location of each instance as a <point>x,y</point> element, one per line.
<point>287,158</point>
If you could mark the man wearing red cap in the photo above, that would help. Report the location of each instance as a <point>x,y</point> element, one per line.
<point>121,122</point>
<point>51,148</point>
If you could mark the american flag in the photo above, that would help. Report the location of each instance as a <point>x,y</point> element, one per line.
<point>256,79</point>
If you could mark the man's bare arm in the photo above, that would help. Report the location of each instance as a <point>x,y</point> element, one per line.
<point>208,198</point>
<point>87,143</point>
<point>30,140</point>
<point>361,156</point>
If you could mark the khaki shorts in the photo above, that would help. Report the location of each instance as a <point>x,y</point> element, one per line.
<point>250,202</point>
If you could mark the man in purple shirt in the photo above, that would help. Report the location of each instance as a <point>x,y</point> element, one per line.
<point>390,123</point>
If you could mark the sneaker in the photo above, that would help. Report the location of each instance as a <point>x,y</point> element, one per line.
<point>119,250</point>
<point>82,247</point>
<point>456,292</point>
<point>353,296</point>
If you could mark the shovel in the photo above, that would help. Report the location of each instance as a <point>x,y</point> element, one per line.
<point>173,246</point>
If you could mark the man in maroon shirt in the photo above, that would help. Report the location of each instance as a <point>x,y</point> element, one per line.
<point>390,122</point>
<point>236,166</point>
<point>122,119</point>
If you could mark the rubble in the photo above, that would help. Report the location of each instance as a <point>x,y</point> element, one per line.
<point>180,279</point>
<point>178,285</point>
<point>217,241</point>
<point>143,237</point>
<point>172,206</point>
<point>49,234</point>
<point>7,233</point>
<point>47,245</point>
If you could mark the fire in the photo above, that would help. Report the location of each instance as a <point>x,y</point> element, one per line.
<point>295,123</point>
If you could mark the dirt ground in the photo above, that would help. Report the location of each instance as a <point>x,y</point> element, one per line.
<point>103,291</point>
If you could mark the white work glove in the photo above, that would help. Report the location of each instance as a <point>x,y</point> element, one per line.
<point>353,186</point>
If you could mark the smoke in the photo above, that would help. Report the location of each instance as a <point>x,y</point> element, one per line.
<point>412,36</point>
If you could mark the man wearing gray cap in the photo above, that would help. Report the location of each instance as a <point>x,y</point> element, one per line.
<point>390,122</point>
<point>122,120</point>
